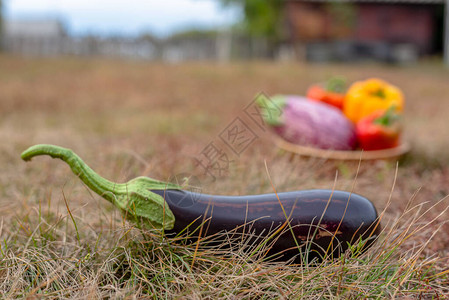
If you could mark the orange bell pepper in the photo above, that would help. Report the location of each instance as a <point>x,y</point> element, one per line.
<point>365,97</point>
<point>332,93</point>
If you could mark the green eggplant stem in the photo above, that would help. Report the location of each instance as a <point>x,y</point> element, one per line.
<point>134,198</point>
<point>271,108</point>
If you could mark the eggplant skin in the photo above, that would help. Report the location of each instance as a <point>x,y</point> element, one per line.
<point>321,221</point>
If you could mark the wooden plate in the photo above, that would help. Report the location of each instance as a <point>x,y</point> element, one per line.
<point>342,155</point>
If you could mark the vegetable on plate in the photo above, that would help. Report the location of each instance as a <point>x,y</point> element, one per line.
<point>366,97</point>
<point>308,123</point>
<point>315,222</point>
<point>379,130</point>
<point>332,92</point>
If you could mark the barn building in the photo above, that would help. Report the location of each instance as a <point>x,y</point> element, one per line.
<point>397,30</point>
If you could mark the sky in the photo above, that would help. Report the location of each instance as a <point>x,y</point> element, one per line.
<point>133,17</point>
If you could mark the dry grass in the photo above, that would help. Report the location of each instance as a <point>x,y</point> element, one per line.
<point>135,118</point>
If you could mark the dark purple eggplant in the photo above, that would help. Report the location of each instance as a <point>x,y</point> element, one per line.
<point>322,222</point>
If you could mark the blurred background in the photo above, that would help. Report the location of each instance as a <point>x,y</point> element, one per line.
<point>149,87</point>
<point>222,30</point>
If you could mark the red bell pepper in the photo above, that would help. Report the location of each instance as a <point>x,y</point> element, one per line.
<point>379,130</point>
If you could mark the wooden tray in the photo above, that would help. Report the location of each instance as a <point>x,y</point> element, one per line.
<point>342,155</point>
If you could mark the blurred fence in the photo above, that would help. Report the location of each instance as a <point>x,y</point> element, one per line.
<point>221,47</point>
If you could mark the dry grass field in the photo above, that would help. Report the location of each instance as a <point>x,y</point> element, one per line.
<point>132,118</point>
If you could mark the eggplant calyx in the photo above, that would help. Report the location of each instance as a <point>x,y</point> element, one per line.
<point>134,198</point>
<point>271,108</point>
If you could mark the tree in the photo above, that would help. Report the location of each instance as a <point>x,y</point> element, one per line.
<point>261,18</point>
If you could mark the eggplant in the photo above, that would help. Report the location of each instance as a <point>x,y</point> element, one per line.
<point>305,122</point>
<point>311,222</point>
<point>322,222</point>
